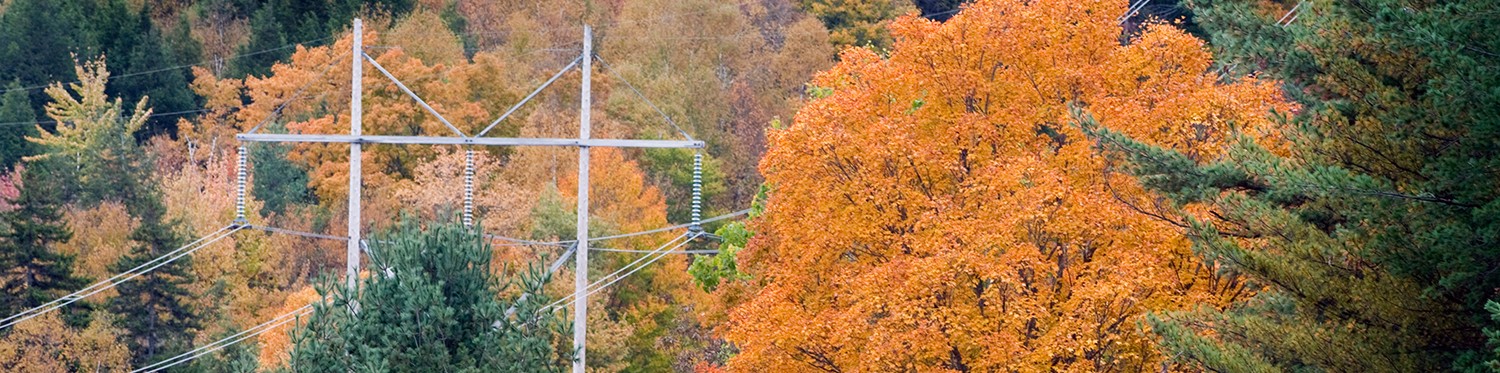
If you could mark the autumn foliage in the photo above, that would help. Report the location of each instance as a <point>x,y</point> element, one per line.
<point>936,210</point>
<point>1002,185</point>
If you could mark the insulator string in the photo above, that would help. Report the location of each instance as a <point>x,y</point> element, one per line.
<point>697,192</point>
<point>239,197</point>
<point>469,188</point>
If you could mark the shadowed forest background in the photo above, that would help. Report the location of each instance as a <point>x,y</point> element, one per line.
<point>933,185</point>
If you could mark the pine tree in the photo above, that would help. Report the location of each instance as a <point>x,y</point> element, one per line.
<point>155,311</point>
<point>431,303</point>
<point>15,107</point>
<point>265,34</point>
<point>1371,233</point>
<point>278,183</point>
<point>33,272</point>
<point>167,89</point>
<point>279,22</point>
<point>36,37</point>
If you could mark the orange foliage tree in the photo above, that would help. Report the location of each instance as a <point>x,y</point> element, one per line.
<point>935,211</point>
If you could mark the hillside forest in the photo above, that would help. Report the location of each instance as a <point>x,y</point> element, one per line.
<point>888,186</point>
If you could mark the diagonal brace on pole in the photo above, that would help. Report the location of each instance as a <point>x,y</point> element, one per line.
<point>412,94</point>
<point>638,93</point>
<point>530,96</point>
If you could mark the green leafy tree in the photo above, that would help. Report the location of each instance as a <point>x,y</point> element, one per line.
<point>432,303</point>
<point>710,271</point>
<point>1373,232</point>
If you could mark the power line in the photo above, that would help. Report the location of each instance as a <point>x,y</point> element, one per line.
<point>617,236</point>
<point>117,279</point>
<point>519,241</point>
<point>615,277</point>
<point>297,233</point>
<point>152,115</point>
<point>1291,15</point>
<point>657,230</point>
<point>628,266</point>
<point>296,95</point>
<point>649,251</point>
<point>1134,8</point>
<point>227,341</point>
<point>169,68</point>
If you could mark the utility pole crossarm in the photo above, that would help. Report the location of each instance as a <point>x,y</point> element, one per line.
<point>483,141</point>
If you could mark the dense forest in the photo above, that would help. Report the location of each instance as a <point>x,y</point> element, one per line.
<point>926,185</point>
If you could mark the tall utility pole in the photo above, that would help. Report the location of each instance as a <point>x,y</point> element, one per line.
<point>584,141</point>
<point>581,258</point>
<point>356,124</point>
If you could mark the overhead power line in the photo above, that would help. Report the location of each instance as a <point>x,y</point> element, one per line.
<point>169,68</point>
<point>123,115</point>
<point>1291,15</point>
<point>231,340</point>
<point>617,236</point>
<point>297,233</point>
<point>1134,8</point>
<point>628,269</point>
<point>117,279</point>
<point>648,251</point>
<point>297,95</point>
<point>657,230</point>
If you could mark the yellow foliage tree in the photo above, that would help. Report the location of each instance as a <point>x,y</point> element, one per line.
<point>106,240</point>
<point>933,210</point>
<point>45,344</point>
